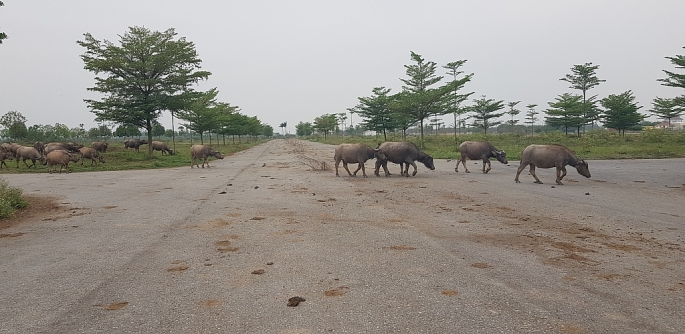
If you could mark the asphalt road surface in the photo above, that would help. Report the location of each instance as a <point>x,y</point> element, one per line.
<point>222,250</point>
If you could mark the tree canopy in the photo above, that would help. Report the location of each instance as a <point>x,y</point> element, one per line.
<point>375,110</point>
<point>14,124</point>
<point>583,78</point>
<point>566,111</point>
<point>140,77</point>
<point>485,112</point>
<point>325,123</point>
<point>666,109</point>
<point>621,112</point>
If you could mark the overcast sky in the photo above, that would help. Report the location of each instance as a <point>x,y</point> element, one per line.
<point>296,60</point>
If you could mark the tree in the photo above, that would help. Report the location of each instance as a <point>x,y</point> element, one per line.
<point>513,112</point>
<point>375,111</point>
<point>325,124</point>
<point>424,101</point>
<point>140,77</point>
<point>267,130</point>
<point>2,34</point>
<point>15,125</point>
<point>454,99</point>
<point>666,109</point>
<point>304,129</point>
<point>675,79</point>
<point>583,78</point>
<point>342,117</point>
<point>283,126</point>
<point>531,116</point>
<point>566,112</point>
<point>621,112</point>
<point>484,112</point>
<point>158,130</point>
<point>127,131</point>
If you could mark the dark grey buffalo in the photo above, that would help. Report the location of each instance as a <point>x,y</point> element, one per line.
<point>134,143</point>
<point>479,150</point>
<point>161,146</point>
<point>198,151</point>
<point>548,156</point>
<point>355,153</point>
<point>402,153</point>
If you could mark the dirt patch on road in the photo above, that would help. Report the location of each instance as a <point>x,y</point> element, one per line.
<point>39,208</point>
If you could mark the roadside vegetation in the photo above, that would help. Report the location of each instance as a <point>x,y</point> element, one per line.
<point>118,158</point>
<point>10,199</point>
<point>596,144</point>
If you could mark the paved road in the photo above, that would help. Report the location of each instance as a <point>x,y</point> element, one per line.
<point>221,250</point>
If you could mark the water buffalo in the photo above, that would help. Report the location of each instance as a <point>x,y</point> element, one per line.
<point>68,146</point>
<point>92,154</point>
<point>402,153</point>
<point>39,146</point>
<point>28,153</point>
<point>134,143</point>
<point>5,155</point>
<point>61,158</point>
<point>161,146</point>
<point>548,156</point>
<point>100,146</point>
<point>479,150</point>
<point>355,153</point>
<point>202,152</point>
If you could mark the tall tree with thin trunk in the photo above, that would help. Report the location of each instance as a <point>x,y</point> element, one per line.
<point>666,109</point>
<point>676,79</point>
<point>583,78</point>
<point>141,76</point>
<point>513,112</point>
<point>455,99</point>
<point>485,112</point>
<point>424,100</point>
<point>531,116</point>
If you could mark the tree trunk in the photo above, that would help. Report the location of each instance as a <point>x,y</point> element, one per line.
<point>149,138</point>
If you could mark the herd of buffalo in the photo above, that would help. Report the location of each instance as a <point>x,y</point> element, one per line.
<point>406,153</point>
<point>402,153</point>
<point>62,153</point>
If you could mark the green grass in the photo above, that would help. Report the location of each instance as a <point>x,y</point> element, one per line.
<point>10,199</point>
<point>598,144</point>
<point>118,158</point>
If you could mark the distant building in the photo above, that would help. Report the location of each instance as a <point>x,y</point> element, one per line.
<point>677,123</point>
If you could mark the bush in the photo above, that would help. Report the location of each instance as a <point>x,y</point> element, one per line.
<point>10,199</point>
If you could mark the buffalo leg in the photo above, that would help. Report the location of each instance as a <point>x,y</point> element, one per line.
<point>337,163</point>
<point>361,166</point>
<point>561,172</point>
<point>532,172</point>
<point>348,171</point>
<point>518,172</point>
<point>486,161</point>
<point>414,173</point>
<point>463,162</point>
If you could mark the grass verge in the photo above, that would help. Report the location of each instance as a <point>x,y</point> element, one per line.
<point>598,144</point>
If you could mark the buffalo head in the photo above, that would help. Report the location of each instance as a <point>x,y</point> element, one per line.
<point>501,156</point>
<point>582,168</point>
<point>428,162</point>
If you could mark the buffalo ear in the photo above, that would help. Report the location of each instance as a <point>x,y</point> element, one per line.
<point>494,153</point>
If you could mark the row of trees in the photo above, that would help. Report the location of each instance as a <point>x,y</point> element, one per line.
<point>150,72</point>
<point>423,96</point>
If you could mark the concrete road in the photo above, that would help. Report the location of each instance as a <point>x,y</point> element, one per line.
<point>221,250</point>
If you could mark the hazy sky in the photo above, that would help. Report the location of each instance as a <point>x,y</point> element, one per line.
<point>296,60</point>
